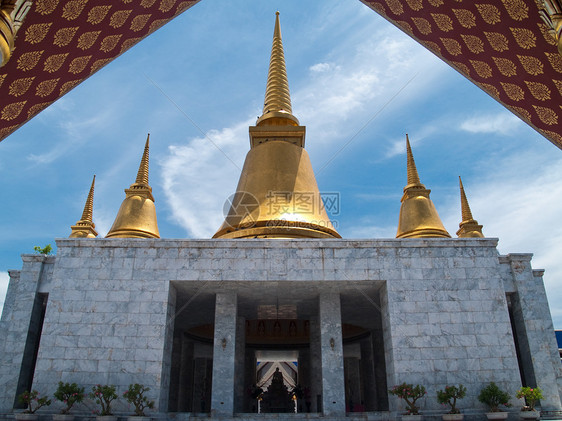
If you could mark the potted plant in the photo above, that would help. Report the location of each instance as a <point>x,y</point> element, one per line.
<point>449,396</point>
<point>103,395</point>
<point>135,395</point>
<point>493,396</point>
<point>531,396</point>
<point>33,402</point>
<point>69,394</point>
<point>410,394</point>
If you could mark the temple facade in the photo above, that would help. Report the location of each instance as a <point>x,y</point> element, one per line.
<point>277,313</point>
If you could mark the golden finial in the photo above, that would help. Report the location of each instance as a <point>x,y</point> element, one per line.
<point>418,216</point>
<point>469,227</point>
<point>84,228</point>
<point>142,175</point>
<point>7,32</point>
<point>136,217</point>
<point>277,105</point>
<point>412,172</point>
<point>277,194</point>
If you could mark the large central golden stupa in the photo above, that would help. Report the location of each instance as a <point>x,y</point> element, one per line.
<point>277,195</point>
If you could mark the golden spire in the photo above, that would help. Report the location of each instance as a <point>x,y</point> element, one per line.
<point>85,228</point>
<point>277,105</point>
<point>277,195</point>
<point>469,227</point>
<point>418,216</point>
<point>136,217</point>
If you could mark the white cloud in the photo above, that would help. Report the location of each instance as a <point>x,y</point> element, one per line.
<point>4,279</point>
<point>504,123</point>
<point>323,67</point>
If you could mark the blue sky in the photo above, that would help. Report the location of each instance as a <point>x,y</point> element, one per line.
<point>358,84</point>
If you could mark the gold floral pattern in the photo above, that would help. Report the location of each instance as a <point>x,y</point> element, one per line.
<point>159,22</point>
<point>147,3</point>
<point>415,5</point>
<point>555,61</point>
<point>491,89</point>
<point>558,84</point>
<point>539,90</point>
<point>37,32</point>
<point>98,64</point>
<point>78,64</point>
<point>73,9</point>
<point>423,25</point>
<point>505,66</point>
<point>452,46</point>
<point>546,34</point>
<point>2,77</point>
<point>28,61</point>
<point>498,41</point>
<point>64,36</point>
<point>20,86</point>
<point>522,112</point>
<point>166,5</point>
<point>465,17</point>
<point>517,9</point>
<point>54,62</point>
<point>68,86</point>
<point>118,18</point>
<point>433,47</point>
<point>546,115</point>
<point>139,22</point>
<point>182,6</point>
<point>46,87</point>
<point>482,68</point>
<point>435,3</point>
<point>87,39</point>
<point>11,111</point>
<point>474,44</point>
<point>532,65</point>
<point>129,43</point>
<point>490,13</point>
<point>461,67</point>
<point>395,6</point>
<point>514,92</point>
<point>7,130</point>
<point>443,22</point>
<point>404,25</point>
<point>524,37</point>
<point>551,135</point>
<point>110,42</point>
<point>36,109</point>
<point>45,7</point>
<point>97,14</point>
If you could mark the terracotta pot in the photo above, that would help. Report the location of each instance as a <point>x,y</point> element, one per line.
<point>22,416</point>
<point>452,417</point>
<point>530,415</point>
<point>496,415</point>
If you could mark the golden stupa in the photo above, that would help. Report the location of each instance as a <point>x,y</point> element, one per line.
<point>137,215</point>
<point>277,195</point>
<point>469,227</point>
<point>418,216</point>
<point>85,228</point>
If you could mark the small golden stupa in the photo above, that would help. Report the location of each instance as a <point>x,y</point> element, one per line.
<point>469,227</point>
<point>85,228</point>
<point>277,195</point>
<point>137,215</point>
<point>418,216</point>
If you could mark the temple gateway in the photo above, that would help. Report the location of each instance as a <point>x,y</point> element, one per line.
<point>276,313</point>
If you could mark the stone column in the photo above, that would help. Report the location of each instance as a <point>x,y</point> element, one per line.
<point>222,400</point>
<point>331,348</point>
<point>16,346</point>
<point>240,354</point>
<point>535,331</point>
<point>315,360</point>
